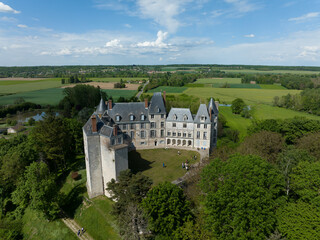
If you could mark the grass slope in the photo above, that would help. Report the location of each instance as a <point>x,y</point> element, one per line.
<point>28,86</point>
<point>150,161</point>
<point>36,227</point>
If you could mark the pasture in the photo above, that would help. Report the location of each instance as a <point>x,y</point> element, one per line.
<point>250,96</point>
<point>168,89</point>
<point>219,80</point>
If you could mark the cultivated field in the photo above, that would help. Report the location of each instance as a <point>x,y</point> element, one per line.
<point>106,85</point>
<point>117,79</point>
<point>219,80</point>
<point>25,79</point>
<point>168,89</point>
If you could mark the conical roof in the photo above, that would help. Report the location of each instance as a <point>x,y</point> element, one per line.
<point>213,107</point>
<point>101,108</point>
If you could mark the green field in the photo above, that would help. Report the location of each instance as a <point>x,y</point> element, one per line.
<point>150,161</point>
<point>250,96</point>
<point>168,89</point>
<point>27,86</point>
<point>236,85</point>
<point>271,86</point>
<point>117,79</point>
<point>269,71</point>
<point>219,80</point>
<point>53,96</point>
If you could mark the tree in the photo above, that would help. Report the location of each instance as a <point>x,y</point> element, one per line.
<point>167,208</point>
<point>38,189</point>
<point>237,106</point>
<point>128,193</point>
<point>241,196</point>
<point>311,143</point>
<point>264,144</point>
<point>299,221</point>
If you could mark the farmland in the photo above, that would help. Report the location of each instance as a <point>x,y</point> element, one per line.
<point>117,79</point>
<point>168,89</point>
<point>219,80</point>
<point>252,71</point>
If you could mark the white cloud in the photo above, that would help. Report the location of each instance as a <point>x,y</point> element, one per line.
<point>128,25</point>
<point>161,36</point>
<point>243,6</point>
<point>305,17</point>
<point>114,43</point>
<point>22,26</point>
<point>249,35</point>
<point>7,9</point>
<point>8,19</point>
<point>160,59</point>
<point>163,12</point>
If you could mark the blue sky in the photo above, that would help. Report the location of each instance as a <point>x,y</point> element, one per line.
<point>57,32</point>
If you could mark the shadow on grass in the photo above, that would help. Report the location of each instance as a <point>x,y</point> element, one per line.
<point>137,163</point>
<point>73,200</point>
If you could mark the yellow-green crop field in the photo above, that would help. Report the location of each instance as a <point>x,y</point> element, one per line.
<point>219,80</point>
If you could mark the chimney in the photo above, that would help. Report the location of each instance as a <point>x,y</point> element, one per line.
<point>115,130</point>
<point>94,123</point>
<point>110,104</point>
<point>164,97</point>
<point>146,103</point>
<point>210,112</point>
<point>217,104</point>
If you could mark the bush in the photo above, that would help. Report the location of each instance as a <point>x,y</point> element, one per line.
<point>75,175</point>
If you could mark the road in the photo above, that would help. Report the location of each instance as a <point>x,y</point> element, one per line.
<point>141,91</point>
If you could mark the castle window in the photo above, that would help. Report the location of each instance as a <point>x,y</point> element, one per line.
<point>174,134</point>
<point>162,115</point>
<point>132,126</point>
<point>185,118</point>
<point>143,117</point>
<point>179,134</point>
<point>142,134</point>
<point>158,110</point>
<point>198,125</point>
<point>131,117</point>
<point>184,134</point>
<point>153,125</point>
<point>152,116</point>
<point>184,125</point>
<point>142,126</point>
<point>162,133</point>
<point>203,118</point>
<point>174,124</point>
<point>124,127</point>
<point>189,135</point>
<point>132,134</point>
<point>119,140</point>
<point>205,125</point>
<point>198,135</point>
<point>175,117</point>
<point>204,135</point>
<point>113,141</point>
<point>117,118</point>
<point>162,124</point>
<point>169,133</point>
<point>153,133</point>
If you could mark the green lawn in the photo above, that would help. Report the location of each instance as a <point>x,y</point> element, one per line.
<point>237,85</point>
<point>219,80</point>
<point>168,89</point>
<point>36,227</point>
<point>117,79</point>
<point>27,86</point>
<point>250,96</point>
<point>150,161</point>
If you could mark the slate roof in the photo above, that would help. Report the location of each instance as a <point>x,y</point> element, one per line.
<point>202,111</point>
<point>213,107</point>
<point>157,104</point>
<point>180,113</point>
<point>124,110</point>
<point>101,108</point>
<point>88,126</point>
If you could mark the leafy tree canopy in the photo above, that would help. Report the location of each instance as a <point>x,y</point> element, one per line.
<point>237,106</point>
<point>242,195</point>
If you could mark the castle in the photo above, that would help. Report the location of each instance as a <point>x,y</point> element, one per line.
<point>116,128</point>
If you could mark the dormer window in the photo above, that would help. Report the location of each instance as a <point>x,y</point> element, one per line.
<point>131,117</point>
<point>203,118</point>
<point>175,117</point>
<point>118,118</point>
<point>143,117</point>
<point>158,110</point>
<point>185,117</point>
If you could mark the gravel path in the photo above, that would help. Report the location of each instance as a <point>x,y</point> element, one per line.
<point>74,227</point>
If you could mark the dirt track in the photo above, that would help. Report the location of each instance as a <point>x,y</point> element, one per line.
<point>107,85</point>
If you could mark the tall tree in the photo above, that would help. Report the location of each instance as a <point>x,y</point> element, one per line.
<point>241,196</point>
